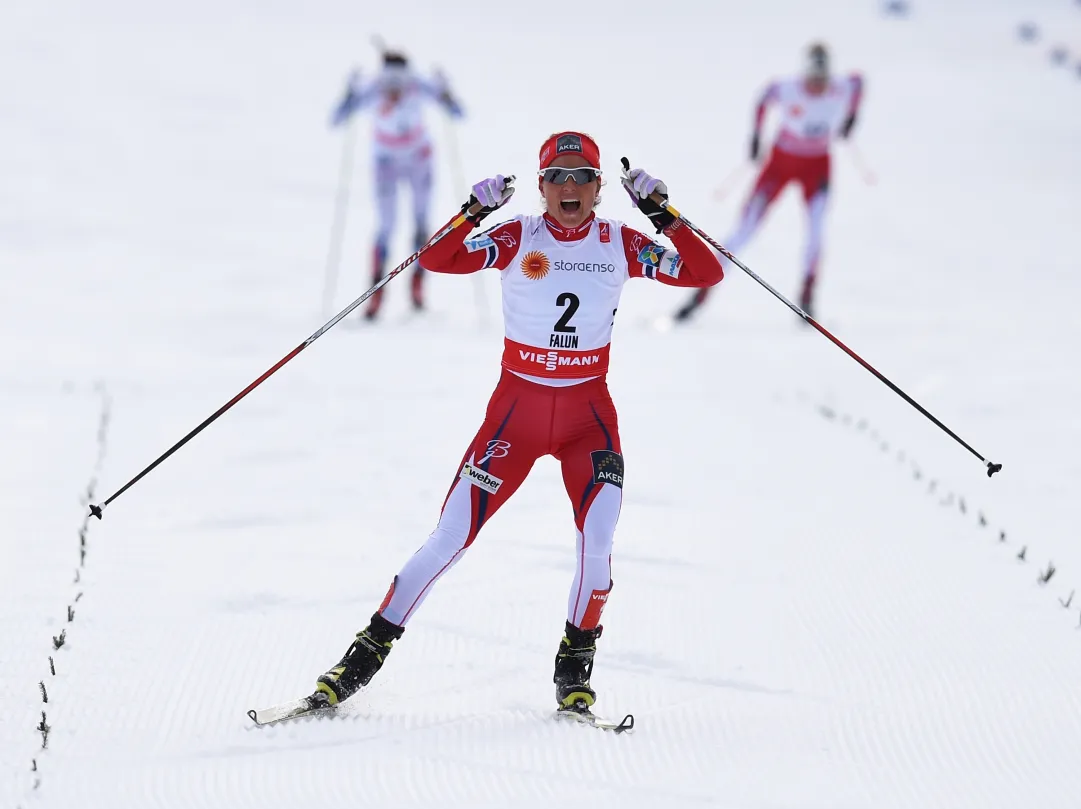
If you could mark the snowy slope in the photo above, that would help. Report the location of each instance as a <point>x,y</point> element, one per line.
<point>800,618</point>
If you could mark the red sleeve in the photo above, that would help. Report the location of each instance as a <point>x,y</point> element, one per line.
<point>458,255</point>
<point>857,93</point>
<point>692,264</point>
<point>769,96</point>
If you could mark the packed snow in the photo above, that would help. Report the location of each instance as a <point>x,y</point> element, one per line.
<point>818,601</point>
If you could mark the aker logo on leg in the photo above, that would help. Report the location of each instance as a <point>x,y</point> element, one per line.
<point>480,478</point>
<point>607,467</point>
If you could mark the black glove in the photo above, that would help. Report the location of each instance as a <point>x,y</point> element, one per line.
<point>846,127</point>
<point>478,217</point>
<point>641,186</point>
<point>754,146</point>
<point>659,216</point>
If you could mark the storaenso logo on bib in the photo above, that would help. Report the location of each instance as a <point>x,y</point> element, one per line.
<point>534,265</point>
<point>480,478</point>
<point>552,360</point>
<point>582,266</point>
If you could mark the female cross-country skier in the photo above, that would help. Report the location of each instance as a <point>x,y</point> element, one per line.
<point>401,152</point>
<point>562,274</point>
<point>814,107</point>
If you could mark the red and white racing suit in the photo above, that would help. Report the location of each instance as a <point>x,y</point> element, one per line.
<point>800,154</point>
<point>561,290</point>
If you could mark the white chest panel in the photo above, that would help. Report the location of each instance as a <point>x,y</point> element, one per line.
<point>564,294</point>
<point>808,121</point>
<point>399,123</point>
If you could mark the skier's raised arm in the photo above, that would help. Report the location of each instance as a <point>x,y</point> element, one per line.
<point>438,90</point>
<point>691,264</point>
<point>358,95</point>
<point>856,83</point>
<point>769,95</point>
<point>459,255</point>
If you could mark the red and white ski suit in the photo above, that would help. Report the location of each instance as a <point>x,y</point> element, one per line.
<point>800,154</point>
<point>561,289</point>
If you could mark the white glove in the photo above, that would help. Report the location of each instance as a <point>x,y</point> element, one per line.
<point>493,192</point>
<point>641,185</point>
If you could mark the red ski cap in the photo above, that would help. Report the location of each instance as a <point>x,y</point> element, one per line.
<point>563,143</point>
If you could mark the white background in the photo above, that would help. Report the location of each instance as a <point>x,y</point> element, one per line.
<point>797,621</point>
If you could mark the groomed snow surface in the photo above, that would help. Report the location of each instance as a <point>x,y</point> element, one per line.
<point>808,609</point>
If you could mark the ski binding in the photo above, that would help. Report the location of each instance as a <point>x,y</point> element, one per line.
<point>579,712</point>
<point>307,706</point>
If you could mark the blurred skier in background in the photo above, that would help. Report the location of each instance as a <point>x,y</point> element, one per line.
<point>402,151</point>
<point>814,107</point>
<point>562,275</point>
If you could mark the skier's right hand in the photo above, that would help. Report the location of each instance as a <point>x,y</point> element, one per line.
<point>755,145</point>
<point>490,194</point>
<point>348,103</point>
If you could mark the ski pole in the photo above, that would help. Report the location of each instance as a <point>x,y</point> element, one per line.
<point>459,220</point>
<point>868,176</point>
<point>341,210</point>
<point>725,188</point>
<point>991,467</point>
<point>458,182</point>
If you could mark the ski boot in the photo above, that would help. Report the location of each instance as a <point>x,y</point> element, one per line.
<point>418,288</point>
<point>362,660</point>
<point>684,312</point>
<point>573,666</point>
<point>419,240</point>
<point>689,308</point>
<point>379,258</point>
<point>806,298</point>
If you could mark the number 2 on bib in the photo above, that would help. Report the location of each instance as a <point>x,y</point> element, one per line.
<point>570,300</point>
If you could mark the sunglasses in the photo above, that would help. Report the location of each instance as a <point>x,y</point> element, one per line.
<point>559,176</point>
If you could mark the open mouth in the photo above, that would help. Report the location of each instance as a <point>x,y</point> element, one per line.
<point>570,205</point>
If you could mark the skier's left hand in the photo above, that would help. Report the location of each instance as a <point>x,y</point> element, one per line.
<point>846,127</point>
<point>640,186</point>
<point>446,98</point>
<point>454,109</point>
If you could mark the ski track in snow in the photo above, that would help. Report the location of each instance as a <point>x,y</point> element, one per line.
<point>796,621</point>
